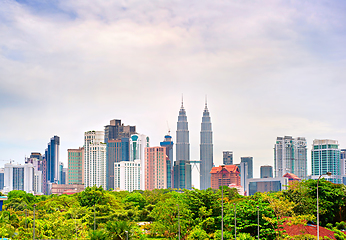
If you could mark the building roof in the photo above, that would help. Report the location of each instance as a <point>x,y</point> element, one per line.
<point>229,168</point>
<point>301,229</point>
<point>291,176</point>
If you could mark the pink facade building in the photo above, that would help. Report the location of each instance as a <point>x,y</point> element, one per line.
<point>155,168</point>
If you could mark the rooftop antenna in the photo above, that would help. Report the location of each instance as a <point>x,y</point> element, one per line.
<point>169,130</point>
<point>182,100</point>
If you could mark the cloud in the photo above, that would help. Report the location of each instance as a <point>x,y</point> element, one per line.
<point>269,69</point>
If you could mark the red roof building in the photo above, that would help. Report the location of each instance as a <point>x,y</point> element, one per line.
<point>291,178</point>
<point>224,176</point>
<point>301,229</point>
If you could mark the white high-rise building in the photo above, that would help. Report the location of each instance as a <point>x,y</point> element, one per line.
<point>127,175</point>
<point>94,159</point>
<point>19,177</point>
<point>138,142</point>
<point>38,182</point>
<point>290,156</point>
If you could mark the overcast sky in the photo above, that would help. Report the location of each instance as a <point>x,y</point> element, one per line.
<point>269,68</point>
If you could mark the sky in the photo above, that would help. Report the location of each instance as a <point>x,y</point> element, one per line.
<point>268,68</point>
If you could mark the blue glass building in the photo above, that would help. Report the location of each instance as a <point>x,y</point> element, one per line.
<point>168,144</point>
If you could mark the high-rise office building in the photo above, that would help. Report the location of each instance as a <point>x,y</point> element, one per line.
<point>94,159</point>
<point>19,177</point>
<point>182,174</point>
<point>117,130</point>
<point>206,150</point>
<point>343,162</point>
<point>325,157</point>
<point>1,178</point>
<point>127,175</point>
<point>249,161</point>
<point>138,143</point>
<point>244,173</point>
<point>75,166</point>
<point>62,173</point>
<point>52,159</point>
<point>117,139</point>
<point>182,167</point>
<point>114,155</point>
<point>227,157</point>
<point>183,144</point>
<point>168,144</point>
<point>266,171</point>
<point>155,168</point>
<point>290,156</point>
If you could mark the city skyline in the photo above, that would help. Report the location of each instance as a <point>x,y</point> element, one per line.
<point>70,67</point>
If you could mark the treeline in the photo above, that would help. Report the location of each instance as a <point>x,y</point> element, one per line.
<point>99,214</point>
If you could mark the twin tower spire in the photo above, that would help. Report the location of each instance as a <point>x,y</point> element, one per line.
<point>206,147</point>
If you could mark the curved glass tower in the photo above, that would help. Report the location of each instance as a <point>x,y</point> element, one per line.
<point>206,150</point>
<point>183,145</point>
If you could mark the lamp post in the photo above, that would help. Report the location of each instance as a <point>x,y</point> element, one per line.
<point>26,216</point>
<point>318,213</point>
<point>33,234</point>
<point>94,219</point>
<point>235,221</point>
<point>222,167</point>
<point>127,235</point>
<point>178,222</point>
<point>258,222</point>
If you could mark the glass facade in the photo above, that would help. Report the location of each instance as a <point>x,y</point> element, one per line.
<point>168,144</point>
<point>182,174</point>
<point>206,150</point>
<point>249,161</point>
<point>325,157</point>
<point>75,166</point>
<point>227,157</point>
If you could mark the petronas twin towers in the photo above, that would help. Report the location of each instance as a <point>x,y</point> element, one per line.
<point>206,145</point>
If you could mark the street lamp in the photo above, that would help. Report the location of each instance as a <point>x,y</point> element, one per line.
<point>258,222</point>
<point>235,221</point>
<point>127,235</point>
<point>94,218</point>
<point>222,167</point>
<point>178,221</point>
<point>318,213</point>
<point>26,216</point>
<point>34,223</point>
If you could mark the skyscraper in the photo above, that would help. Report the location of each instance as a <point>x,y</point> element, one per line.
<point>94,159</point>
<point>117,139</point>
<point>227,157</point>
<point>168,144</point>
<point>206,150</point>
<point>182,167</point>
<point>127,175</point>
<point>75,166</point>
<point>183,144</point>
<point>117,130</point>
<point>155,168</point>
<point>138,143</point>
<point>182,174</point>
<point>266,171</point>
<point>249,161</point>
<point>52,158</point>
<point>19,177</point>
<point>325,157</point>
<point>343,162</point>
<point>290,156</point>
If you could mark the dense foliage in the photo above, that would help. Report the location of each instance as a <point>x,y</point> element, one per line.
<point>196,214</point>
